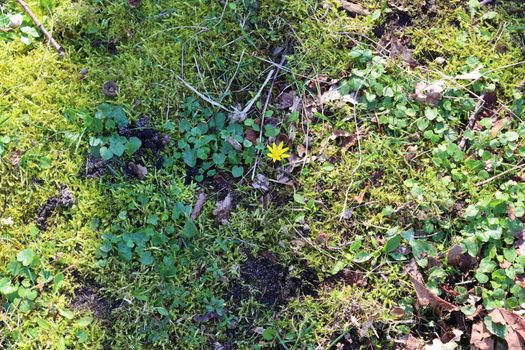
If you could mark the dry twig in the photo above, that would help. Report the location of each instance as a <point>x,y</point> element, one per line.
<point>44,31</point>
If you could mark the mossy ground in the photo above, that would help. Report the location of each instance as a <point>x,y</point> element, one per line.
<point>337,217</point>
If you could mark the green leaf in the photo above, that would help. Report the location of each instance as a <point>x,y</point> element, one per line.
<point>6,287</point>
<point>133,145</point>
<point>66,313</point>
<point>497,329</point>
<point>189,230</point>
<point>392,243</point>
<point>298,198</point>
<point>105,153</point>
<point>116,146</point>
<point>30,31</point>
<point>84,321</point>
<point>146,258</point>
<point>237,171</point>
<point>26,257</point>
<point>269,334</point>
<point>46,4</point>
<point>190,158</point>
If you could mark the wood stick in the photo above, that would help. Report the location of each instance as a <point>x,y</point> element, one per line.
<point>40,26</point>
<point>517,167</point>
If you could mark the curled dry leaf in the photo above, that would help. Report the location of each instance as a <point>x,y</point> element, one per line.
<point>430,93</point>
<point>333,95</point>
<point>399,49</point>
<point>462,260</point>
<point>480,337</point>
<point>473,75</point>
<point>519,242</point>
<point>515,336</point>
<point>261,182</point>
<point>397,312</point>
<point>223,209</point>
<point>201,199</point>
<point>352,8</point>
<point>134,3</point>
<point>426,298</point>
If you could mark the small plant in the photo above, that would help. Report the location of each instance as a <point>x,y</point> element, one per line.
<point>209,142</point>
<point>106,141</point>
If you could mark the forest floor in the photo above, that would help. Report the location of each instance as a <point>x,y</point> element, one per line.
<point>139,208</point>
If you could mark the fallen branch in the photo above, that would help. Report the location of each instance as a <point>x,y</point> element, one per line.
<point>40,26</point>
<point>472,120</point>
<point>517,167</point>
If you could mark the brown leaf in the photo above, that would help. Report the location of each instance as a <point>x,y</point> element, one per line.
<point>429,93</point>
<point>515,337</point>
<point>397,312</point>
<point>286,99</point>
<point>201,199</point>
<point>481,338</point>
<point>134,3</point>
<point>361,196</point>
<point>301,150</point>
<point>519,243</point>
<point>251,135</point>
<point>223,209</point>
<point>498,126</point>
<point>260,182</point>
<point>15,157</point>
<point>426,298</point>
<point>520,279</point>
<point>352,8</point>
<point>412,343</point>
<point>398,49</point>
<point>462,260</point>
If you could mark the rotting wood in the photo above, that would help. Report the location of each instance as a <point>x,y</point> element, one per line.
<point>44,31</point>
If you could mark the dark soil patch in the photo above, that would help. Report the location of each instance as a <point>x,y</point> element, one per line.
<point>95,168</point>
<point>87,299</point>
<point>65,199</point>
<point>270,282</point>
<point>153,142</point>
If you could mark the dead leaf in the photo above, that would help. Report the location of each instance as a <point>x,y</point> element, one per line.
<point>412,270</point>
<point>134,3</point>
<point>481,338</point>
<point>223,209</point>
<point>353,9</point>
<point>397,312</point>
<point>201,199</point>
<point>301,150</point>
<point>437,344</point>
<point>519,243</point>
<point>520,279</point>
<point>136,170</point>
<point>251,135</point>
<point>426,298</point>
<point>261,182</point>
<point>515,337</point>
<point>430,93</point>
<point>398,49</point>
<point>361,196</point>
<point>234,143</point>
<point>286,100</point>
<point>473,75</point>
<point>334,95</point>
<point>15,157</point>
<point>206,317</point>
<point>460,259</point>
<point>413,343</point>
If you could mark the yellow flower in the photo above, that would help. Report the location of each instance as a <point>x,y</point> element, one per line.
<point>277,152</point>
